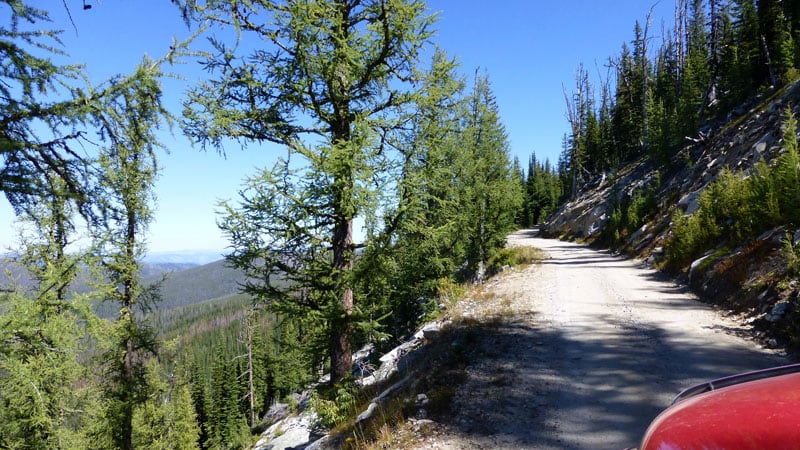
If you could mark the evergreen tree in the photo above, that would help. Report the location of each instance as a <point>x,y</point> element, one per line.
<point>47,114</point>
<point>421,242</point>
<point>166,419</point>
<point>490,196</point>
<point>542,190</point>
<point>787,173</point>
<point>518,177</point>
<point>227,426</point>
<point>696,76</point>
<point>627,115</point>
<point>739,59</point>
<point>200,400</point>
<point>778,44</point>
<point>344,66</point>
<point>129,169</point>
<point>42,392</point>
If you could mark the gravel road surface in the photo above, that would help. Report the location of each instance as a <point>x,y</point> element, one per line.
<point>592,347</point>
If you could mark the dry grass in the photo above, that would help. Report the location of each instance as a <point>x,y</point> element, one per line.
<point>469,310</point>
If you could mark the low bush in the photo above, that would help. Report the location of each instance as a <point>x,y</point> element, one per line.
<point>514,256</point>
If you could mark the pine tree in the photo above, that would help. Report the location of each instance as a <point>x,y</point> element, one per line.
<point>343,65</point>
<point>200,400</point>
<point>42,392</point>
<point>627,114</point>
<point>227,426</point>
<point>778,44</point>
<point>787,173</point>
<point>129,169</point>
<point>490,196</point>
<point>166,419</point>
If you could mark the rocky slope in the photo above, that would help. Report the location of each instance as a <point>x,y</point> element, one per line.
<point>749,280</point>
<point>580,350</point>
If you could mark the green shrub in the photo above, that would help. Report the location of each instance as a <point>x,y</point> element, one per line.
<point>629,213</point>
<point>514,256</point>
<point>727,211</point>
<point>450,291</point>
<point>339,406</point>
<point>791,252</point>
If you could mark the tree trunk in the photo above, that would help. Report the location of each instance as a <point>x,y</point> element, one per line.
<point>343,200</point>
<point>341,329</point>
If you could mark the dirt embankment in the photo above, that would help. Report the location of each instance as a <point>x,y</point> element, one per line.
<point>588,349</point>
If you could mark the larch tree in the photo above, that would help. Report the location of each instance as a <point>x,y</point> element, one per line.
<point>421,241</point>
<point>329,83</point>
<point>128,169</point>
<point>53,123</point>
<point>42,393</point>
<point>490,197</point>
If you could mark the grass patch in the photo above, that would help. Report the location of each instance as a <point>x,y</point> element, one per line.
<point>514,257</point>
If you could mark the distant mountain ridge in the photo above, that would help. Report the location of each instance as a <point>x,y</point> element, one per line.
<point>183,283</point>
<point>200,283</point>
<point>193,257</point>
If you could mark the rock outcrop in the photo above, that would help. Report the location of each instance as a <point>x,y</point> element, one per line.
<point>749,135</point>
<point>301,430</point>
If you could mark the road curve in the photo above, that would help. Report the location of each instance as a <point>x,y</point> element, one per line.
<point>595,347</point>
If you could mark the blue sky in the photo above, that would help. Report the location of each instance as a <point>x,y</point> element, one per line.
<point>529,48</point>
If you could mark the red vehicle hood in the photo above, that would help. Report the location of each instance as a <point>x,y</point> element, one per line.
<point>761,414</point>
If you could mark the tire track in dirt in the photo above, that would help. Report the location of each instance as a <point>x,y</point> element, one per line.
<point>590,349</point>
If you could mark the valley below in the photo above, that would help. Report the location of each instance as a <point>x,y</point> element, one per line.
<point>582,350</point>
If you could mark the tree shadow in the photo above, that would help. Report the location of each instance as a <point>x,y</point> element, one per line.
<point>599,387</point>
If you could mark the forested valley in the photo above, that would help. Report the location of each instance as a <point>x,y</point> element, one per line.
<point>95,355</point>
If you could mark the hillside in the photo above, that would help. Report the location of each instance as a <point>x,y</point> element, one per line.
<point>183,283</point>
<point>749,276</point>
<point>200,283</point>
<point>580,350</point>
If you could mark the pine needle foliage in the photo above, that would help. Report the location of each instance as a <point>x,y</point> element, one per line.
<point>330,85</point>
<point>734,208</point>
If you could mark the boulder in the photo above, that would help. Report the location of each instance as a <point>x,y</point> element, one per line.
<point>289,433</point>
<point>690,202</point>
<point>779,310</point>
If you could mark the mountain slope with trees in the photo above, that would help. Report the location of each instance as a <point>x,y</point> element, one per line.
<point>370,131</point>
<point>690,161</point>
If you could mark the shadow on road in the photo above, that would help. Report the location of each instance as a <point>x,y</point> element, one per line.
<point>531,387</point>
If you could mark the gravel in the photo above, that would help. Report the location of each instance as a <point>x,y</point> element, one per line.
<point>590,348</point>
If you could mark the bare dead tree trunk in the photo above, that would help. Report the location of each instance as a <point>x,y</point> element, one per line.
<point>681,38</point>
<point>765,49</point>
<point>645,77</point>
<point>576,105</point>
<point>249,331</point>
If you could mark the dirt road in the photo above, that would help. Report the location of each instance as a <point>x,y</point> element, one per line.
<point>593,347</point>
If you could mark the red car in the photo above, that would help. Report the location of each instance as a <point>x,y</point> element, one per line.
<point>755,410</point>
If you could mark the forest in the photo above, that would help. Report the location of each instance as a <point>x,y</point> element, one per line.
<point>369,130</point>
<point>660,96</point>
<point>89,355</point>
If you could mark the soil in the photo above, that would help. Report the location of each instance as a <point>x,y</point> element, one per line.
<point>581,351</point>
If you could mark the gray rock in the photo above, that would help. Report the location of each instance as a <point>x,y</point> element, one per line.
<point>690,202</point>
<point>319,444</point>
<point>288,433</point>
<point>695,264</point>
<point>432,330</point>
<point>276,412</point>
<point>779,310</point>
<point>638,233</point>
